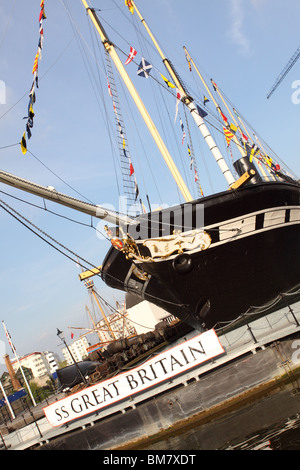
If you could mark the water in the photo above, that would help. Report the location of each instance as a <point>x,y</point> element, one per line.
<point>271,423</point>
<point>284,436</point>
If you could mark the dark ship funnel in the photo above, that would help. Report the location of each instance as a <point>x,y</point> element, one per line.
<point>244,165</point>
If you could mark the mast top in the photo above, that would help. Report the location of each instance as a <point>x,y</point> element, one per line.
<point>139,103</point>
<point>194,110</point>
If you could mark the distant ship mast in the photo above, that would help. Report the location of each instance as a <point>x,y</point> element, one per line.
<point>90,287</point>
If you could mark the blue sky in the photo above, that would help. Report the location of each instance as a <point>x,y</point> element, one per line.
<point>242,44</point>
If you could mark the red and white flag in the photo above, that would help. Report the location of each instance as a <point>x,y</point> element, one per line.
<point>179,95</point>
<point>131,56</point>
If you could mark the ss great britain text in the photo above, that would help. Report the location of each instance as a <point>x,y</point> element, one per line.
<point>156,370</point>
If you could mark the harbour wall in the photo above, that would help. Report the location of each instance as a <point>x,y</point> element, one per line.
<point>259,355</point>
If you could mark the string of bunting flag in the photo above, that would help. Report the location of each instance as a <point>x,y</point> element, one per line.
<point>230,130</point>
<point>121,133</point>
<point>35,83</point>
<point>192,159</point>
<point>251,151</point>
<point>144,69</point>
<point>190,154</point>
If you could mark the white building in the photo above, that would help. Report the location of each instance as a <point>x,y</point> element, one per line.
<point>115,326</point>
<point>51,360</point>
<point>145,315</point>
<point>40,363</point>
<point>78,350</point>
<point>138,318</point>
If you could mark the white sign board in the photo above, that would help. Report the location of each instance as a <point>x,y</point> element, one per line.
<point>156,370</point>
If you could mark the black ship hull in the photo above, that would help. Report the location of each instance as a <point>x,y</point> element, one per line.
<point>254,255</point>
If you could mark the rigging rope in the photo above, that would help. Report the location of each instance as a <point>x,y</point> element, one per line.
<point>193,157</point>
<point>27,222</point>
<point>16,215</point>
<point>129,179</point>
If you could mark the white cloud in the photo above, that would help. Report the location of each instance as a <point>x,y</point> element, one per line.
<point>236,31</point>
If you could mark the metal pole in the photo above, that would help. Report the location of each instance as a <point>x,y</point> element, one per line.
<point>16,356</point>
<point>59,334</point>
<point>34,420</point>
<point>7,401</point>
<point>3,441</point>
<point>293,315</point>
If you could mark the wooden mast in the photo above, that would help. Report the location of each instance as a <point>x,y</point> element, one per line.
<point>192,107</point>
<point>212,98</point>
<point>93,322</point>
<point>90,287</point>
<point>140,105</point>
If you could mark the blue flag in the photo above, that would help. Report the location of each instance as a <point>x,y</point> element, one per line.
<point>201,112</point>
<point>144,68</point>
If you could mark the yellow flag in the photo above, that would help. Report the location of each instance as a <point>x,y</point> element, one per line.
<point>167,81</point>
<point>23,144</point>
<point>130,6</point>
<point>233,128</point>
<point>31,112</point>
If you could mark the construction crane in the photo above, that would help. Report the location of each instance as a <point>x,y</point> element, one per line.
<point>285,71</point>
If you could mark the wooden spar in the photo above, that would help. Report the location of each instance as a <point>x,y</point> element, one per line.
<point>93,322</point>
<point>202,79</point>
<point>103,314</point>
<point>90,287</point>
<point>260,165</point>
<point>52,195</point>
<point>140,105</point>
<point>193,109</point>
<point>214,101</point>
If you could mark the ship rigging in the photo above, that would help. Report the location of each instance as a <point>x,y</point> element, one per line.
<point>197,259</point>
